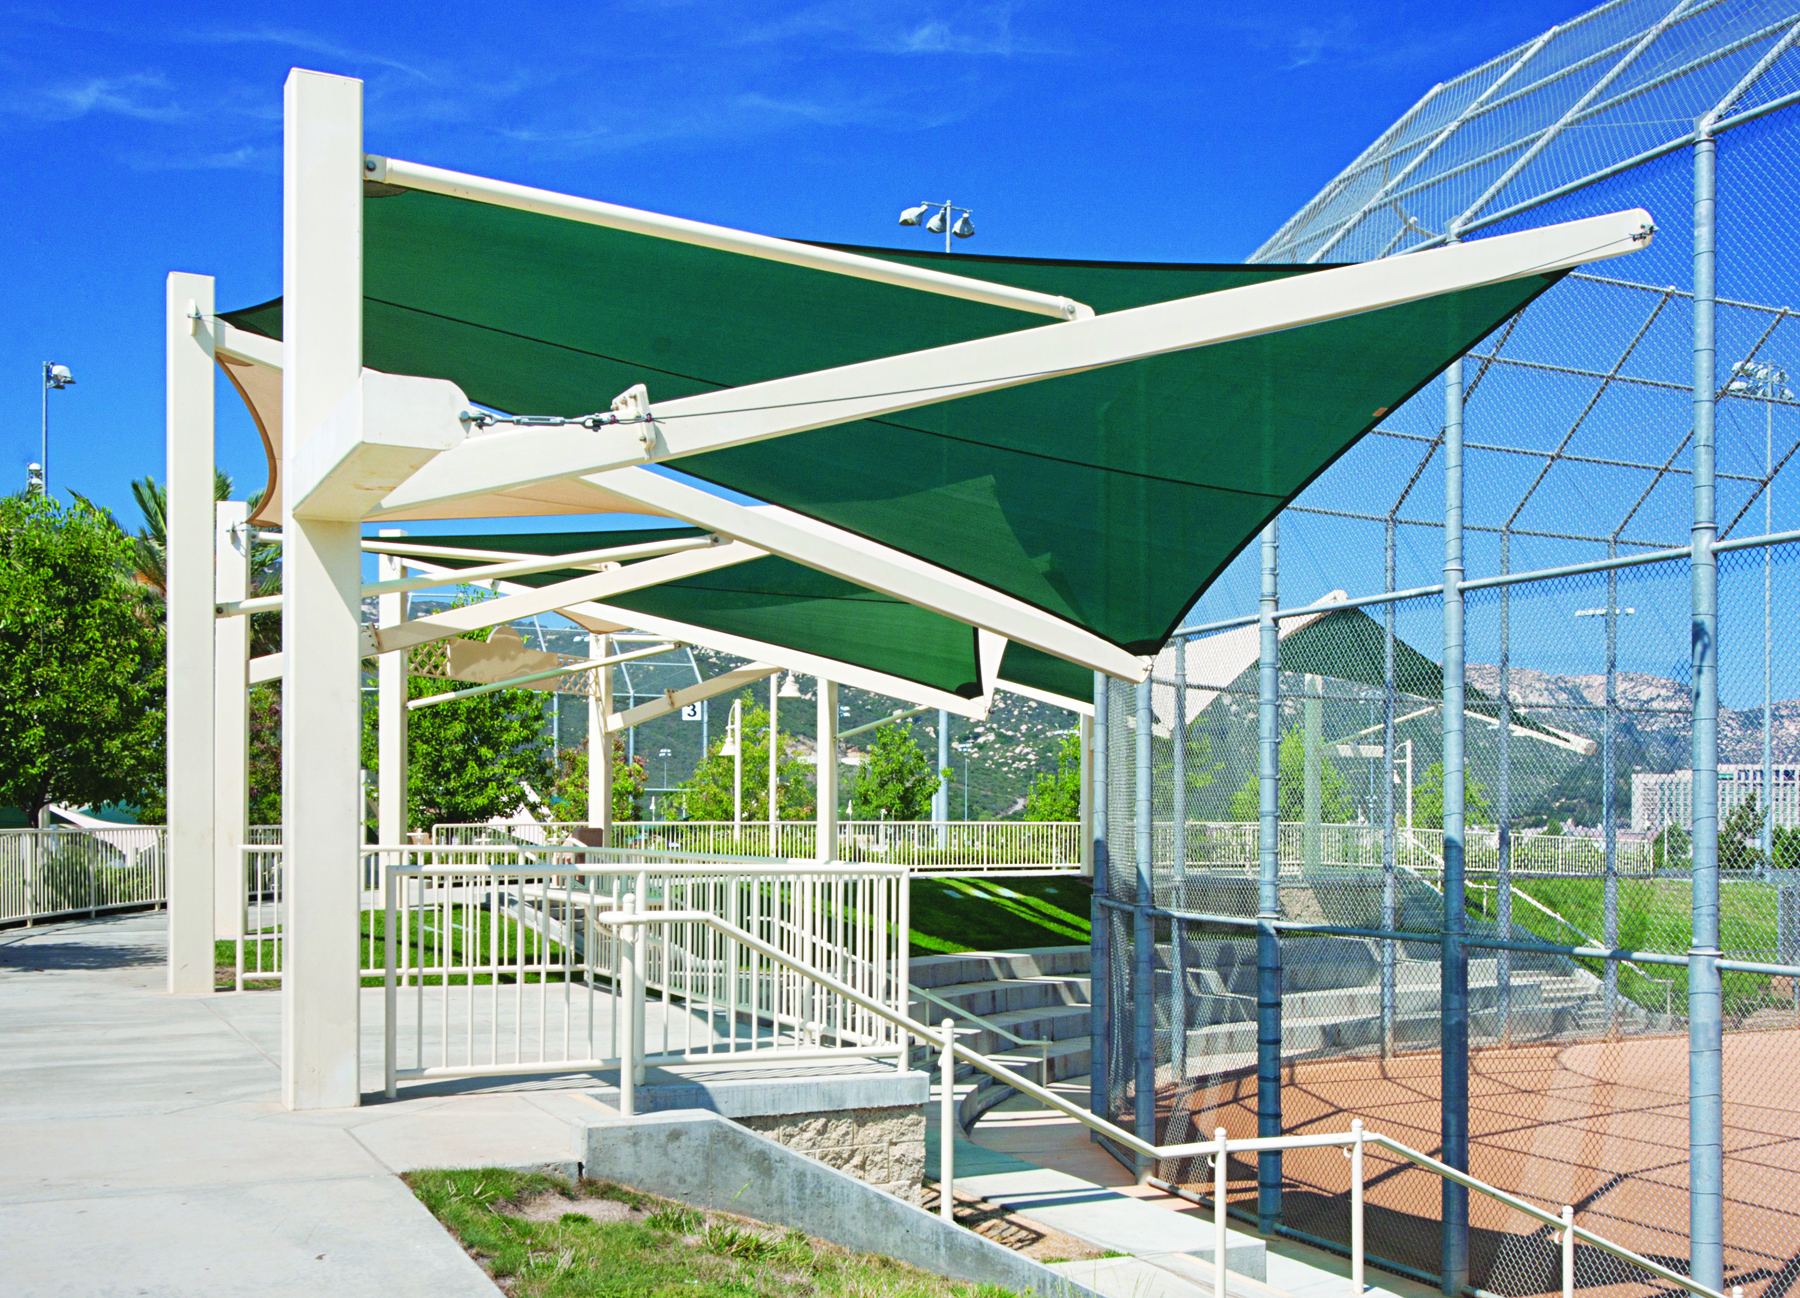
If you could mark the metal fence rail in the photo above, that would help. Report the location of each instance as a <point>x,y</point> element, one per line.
<point>60,873</point>
<point>512,966</point>
<point>927,847</point>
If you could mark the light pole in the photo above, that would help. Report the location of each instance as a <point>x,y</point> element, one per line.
<point>940,223</point>
<point>58,377</point>
<point>1769,384</point>
<point>664,754</point>
<point>1608,791</point>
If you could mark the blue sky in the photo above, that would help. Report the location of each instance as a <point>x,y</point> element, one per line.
<point>138,139</point>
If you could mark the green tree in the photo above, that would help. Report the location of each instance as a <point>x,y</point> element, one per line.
<point>1428,800</point>
<point>896,780</point>
<point>265,754</point>
<point>149,549</point>
<point>1740,836</point>
<point>468,761</point>
<point>707,794</point>
<point>81,662</point>
<point>1335,807</point>
<point>1056,795</point>
<point>569,794</point>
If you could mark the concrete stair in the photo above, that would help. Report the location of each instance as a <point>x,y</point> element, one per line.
<point>1040,994</point>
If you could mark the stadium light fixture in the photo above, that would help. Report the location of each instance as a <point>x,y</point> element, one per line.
<point>963,226</point>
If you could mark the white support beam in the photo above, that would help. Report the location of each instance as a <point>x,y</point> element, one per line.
<point>600,731</point>
<point>548,599</point>
<point>519,682</point>
<point>675,700</point>
<point>868,563</point>
<point>322,285</point>
<point>1084,726</point>
<point>231,718</point>
<point>190,737</point>
<point>759,411</point>
<point>598,559</point>
<point>384,430</point>
<point>906,715</point>
<point>267,668</point>
<point>392,756</point>
<point>826,765</point>
<point>1080,707</point>
<point>595,615</point>
<point>480,189</point>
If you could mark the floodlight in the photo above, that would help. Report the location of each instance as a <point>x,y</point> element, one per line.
<point>912,215</point>
<point>938,220</point>
<point>964,227</point>
<point>790,688</point>
<point>58,376</point>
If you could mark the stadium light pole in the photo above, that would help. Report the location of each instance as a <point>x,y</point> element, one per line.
<point>56,377</point>
<point>1768,383</point>
<point>963,227</point>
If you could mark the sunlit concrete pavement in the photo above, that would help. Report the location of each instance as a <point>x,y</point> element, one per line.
<point>144,1149</point>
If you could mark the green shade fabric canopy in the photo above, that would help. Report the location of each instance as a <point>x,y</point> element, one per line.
<point>1110,498</point>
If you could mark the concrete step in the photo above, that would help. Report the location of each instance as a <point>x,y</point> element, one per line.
<point>991,997</point>
<point>938,971</point>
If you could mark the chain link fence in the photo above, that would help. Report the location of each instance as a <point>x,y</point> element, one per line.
<point>1577,720</point>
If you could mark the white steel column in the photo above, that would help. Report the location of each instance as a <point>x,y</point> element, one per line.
<point>600,766</point>
<point>390,704</point>
<point>1084,726</point>
<point>827,755</point>
<point>322,596</point>
<point>189,397</point>
<point>231,717</point>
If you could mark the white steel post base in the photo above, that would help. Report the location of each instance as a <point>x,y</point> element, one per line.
<point>190,523</point>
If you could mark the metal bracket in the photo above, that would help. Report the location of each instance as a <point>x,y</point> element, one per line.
<point>632,406</point>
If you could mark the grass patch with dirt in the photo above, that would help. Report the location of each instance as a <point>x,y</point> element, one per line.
<point>541,1237</point>
<point>999,913</point>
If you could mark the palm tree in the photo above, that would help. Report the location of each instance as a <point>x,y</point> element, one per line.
<point>150,555</point>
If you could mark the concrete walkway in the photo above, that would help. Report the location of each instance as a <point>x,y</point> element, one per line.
<point>1043,1165</point>
<point>144,1149</point>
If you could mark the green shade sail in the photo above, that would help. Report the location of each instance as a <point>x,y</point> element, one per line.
<point>1110,498</point>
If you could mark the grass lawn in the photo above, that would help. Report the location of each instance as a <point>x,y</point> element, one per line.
<point>976,914</point>
<point>1657,915</point>
<point>999,913</point>
<point>540,1237</point>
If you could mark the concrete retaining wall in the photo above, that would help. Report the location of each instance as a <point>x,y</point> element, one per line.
<point>712,1162</point>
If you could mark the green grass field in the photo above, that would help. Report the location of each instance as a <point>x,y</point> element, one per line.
<point>1656,915</point>
<point>540,1237</point>
<point>974,914</point>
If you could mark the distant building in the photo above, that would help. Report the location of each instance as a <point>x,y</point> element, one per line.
<point>1660,800</point>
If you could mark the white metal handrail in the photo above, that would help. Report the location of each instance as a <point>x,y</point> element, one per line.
<point>1356,1140</point>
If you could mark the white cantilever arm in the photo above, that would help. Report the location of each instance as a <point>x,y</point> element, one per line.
<point>876,566</point>
<point>546,599</point>
<point>759,411</point>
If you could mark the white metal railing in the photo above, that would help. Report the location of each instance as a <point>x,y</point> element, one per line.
<point>59,873</point>
<point>926,847</point>
<point>1227,845</point>
<point>1355,1141</point>
<point>508,966</point>
<point>260,915</point>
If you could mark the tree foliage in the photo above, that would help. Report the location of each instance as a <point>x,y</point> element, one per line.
<point>896,780</point>
<point>81,661</point>
<point>265,754</point>
<point>707,794</point>
<point>149,555</point>
<point>1335,807</point>
<point>1428,800</point>
<point>468,761</point>
<point>569,794</point>
<point>1056,795</point>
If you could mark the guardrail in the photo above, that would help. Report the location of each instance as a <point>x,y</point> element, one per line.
<point>62,873</point>
<point>510,967</point>
<point>1219,1149</point>
<point>953,847</point>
